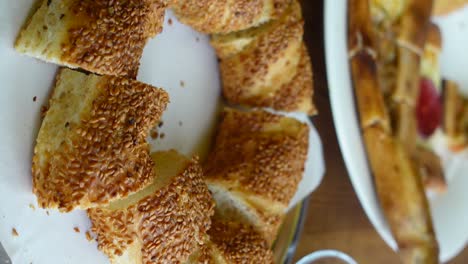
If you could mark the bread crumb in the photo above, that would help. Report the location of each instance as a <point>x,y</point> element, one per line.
<point>182,84</point>
<point>88,236</point>
<point>14,232</point>
<point>162,135</point>
<point>160,124</point>
<point>180,123</point>
<point>34,98</point>
<point>197,39</point>
<point>47,212</point>
<point>154,134</point>
<point>77,230</point>
<point>169,21</point>
<point>32,207</point>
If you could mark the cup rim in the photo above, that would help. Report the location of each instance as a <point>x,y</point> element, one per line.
<point>326,253</point>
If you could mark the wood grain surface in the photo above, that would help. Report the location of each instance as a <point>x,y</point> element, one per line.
<point>335,217</point>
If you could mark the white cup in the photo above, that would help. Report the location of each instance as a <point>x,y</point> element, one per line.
<point>326,254</point>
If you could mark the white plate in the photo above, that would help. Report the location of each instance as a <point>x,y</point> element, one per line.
<point>179,60</point>
<point>449,211</point>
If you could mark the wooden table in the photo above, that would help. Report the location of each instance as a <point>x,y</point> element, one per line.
<point>335,218</point>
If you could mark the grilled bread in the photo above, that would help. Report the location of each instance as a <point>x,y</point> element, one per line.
<point>386,106</point>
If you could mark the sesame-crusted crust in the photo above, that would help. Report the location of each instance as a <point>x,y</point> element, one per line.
<point>214,16</point>
<point>108,36</point>
<point>105,156</point>
<point>238,243</point>
<point>295,95</point>
<point>259,153</point>
<point>256,74</point>
<point>170,223</point>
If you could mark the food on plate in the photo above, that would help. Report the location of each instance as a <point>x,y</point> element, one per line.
<point>163,223</point>
<point>214,16</point>
<point>268,66</point>
<point>455,123</point>
<point>444,7</point>
<point>103,36</point>
<point>385,50</point>
<point>91,148</point>
<point>402,197</point>
<point>233,243</point>
<point>412,100</point>
<point>255,166</point>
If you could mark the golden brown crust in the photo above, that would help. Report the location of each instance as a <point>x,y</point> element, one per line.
<point>259,154</point>
<point>371,105</point>
<point>273,64</point>
<point>103,36</point>
<point>238,243</point>
<point>232,43</point>
<point>214,16</point>
<point>105,155</point>
<point>170,223</point>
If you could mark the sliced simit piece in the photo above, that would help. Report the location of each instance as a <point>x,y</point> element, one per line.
<point>268,66</point>
<point>255,167</point>
<point>92,147</point>
<point>102,36</point>
<point>164,223</point>
<point>231,242</point>
<point>224,16</point>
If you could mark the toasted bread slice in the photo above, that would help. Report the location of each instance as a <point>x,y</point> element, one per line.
<point>398,183</point>
<point>224,16</point>
<point>256,164</point>
<point>455,116</point>
<point>104,37</point>
<point>91,148</point>
<point>401,194</point>
<point>370,100</point>
<point>164,223</point>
